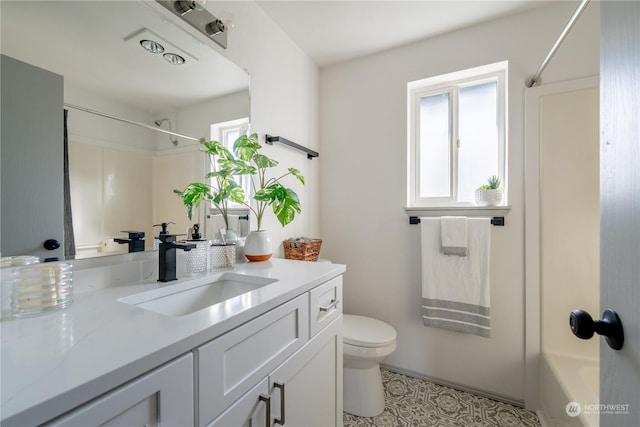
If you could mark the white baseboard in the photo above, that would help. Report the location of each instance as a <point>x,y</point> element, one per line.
<point>542,419</point>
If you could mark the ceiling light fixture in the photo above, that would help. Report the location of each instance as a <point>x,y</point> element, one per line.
<point>174,58</point>
<point>194,13</point>
<point>215,27</point>
<point>184,6</point>
<point>152,46</point>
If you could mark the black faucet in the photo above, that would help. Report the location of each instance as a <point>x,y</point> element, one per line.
<point>135,240</point>
<point>167,256</point>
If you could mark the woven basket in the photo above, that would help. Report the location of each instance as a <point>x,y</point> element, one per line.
<point>303,251</point>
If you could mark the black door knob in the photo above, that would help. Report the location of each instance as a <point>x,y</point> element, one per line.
<point>51,244</point>
<point>583,326</point>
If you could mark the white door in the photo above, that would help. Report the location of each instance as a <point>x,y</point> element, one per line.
<point>31,163</point>
<point>620,209</point>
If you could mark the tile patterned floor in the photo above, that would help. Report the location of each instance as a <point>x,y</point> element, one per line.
<point>417,403</point>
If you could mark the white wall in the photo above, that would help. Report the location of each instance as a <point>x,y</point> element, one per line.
<point>196,120</point>
<point>363,133</point>
<point>177,167</point>
<point>570,217</point>
<point>111,191</point>
<point>284,101</point>
<point>110,173</point>
<point>88,128</point>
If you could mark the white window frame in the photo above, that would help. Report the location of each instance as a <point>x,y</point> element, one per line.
<point>451,83</point>
<point>218,131</point>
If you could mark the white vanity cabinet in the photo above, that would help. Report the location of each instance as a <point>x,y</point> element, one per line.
<point>273,370</point>
<point>273,358</point>
<point>163,396</point>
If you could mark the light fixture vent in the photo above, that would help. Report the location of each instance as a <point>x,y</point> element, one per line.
<point>152,46</point>
<point>155,44</point>
<point>174,58</point>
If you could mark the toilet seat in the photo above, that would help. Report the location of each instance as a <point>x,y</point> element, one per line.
<point>366,332</point>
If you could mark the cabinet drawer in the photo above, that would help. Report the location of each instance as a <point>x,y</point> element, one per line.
<point>325,304</point>
<point>231,365</point>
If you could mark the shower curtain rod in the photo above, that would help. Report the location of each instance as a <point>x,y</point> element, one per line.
<point>131,122</point>
<point>535,79</point>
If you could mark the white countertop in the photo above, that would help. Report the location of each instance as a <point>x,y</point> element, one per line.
<point>56,361</point>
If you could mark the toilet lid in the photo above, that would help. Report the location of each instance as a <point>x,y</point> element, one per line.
<point>367,332</point>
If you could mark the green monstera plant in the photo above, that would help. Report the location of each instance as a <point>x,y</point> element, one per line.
<point>224,167</point>
<point>268,191</point>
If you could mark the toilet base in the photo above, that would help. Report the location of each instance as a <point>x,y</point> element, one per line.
<point>362,391</point>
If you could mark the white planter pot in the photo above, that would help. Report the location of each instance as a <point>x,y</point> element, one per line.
<point>489,197</point>
<point>258,247</point>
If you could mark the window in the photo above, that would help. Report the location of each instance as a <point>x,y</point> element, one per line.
<point>457,132</point>
<point>227,133</point>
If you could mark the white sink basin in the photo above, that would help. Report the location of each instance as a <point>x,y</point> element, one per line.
<point>186,298</point>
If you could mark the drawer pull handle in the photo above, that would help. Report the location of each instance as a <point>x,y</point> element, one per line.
<point>332,304</point>
<point>267,402</point>
<point>280,421</point>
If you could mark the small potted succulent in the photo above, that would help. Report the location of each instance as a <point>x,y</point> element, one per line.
<point>489,194</point>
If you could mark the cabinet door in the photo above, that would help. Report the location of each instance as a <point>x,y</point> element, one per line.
<point>251,410</point>
<point>311,382</point>
<point>229,366</point>
<point>162,397</point>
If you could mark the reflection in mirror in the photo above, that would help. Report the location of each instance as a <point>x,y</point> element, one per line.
<point>122,176</point>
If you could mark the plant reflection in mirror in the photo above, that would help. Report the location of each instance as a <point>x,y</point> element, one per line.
<point>267,191</point>
<point>224,167</point>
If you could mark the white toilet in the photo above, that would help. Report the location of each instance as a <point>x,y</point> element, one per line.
<point>366,343</point>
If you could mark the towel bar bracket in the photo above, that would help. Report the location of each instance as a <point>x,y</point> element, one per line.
<point>496,220</point>
<point>310,153</point>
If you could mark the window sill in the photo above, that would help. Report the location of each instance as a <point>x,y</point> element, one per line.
<point>470,211</point>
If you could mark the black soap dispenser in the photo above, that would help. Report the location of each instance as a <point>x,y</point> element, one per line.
<point>197,259</point>
<point>195,235</point>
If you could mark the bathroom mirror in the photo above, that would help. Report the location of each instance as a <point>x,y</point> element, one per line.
<point>122,176</point>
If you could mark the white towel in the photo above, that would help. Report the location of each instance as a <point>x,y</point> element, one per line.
<point>455,290</point>
<point>453,234</point>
